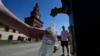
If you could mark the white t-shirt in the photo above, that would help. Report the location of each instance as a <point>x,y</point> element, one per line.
<point>64,35</point>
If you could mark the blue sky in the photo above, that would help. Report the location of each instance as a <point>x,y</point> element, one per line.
<point>22,9</point>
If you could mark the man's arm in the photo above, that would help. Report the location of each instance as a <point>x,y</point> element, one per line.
<point>9,19</point>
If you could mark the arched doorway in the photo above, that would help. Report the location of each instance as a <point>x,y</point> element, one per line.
<point>29,39</point>
<point>67,9</point>
<point>22,39</point>
<point>19,38</point>
<point>10,37</point>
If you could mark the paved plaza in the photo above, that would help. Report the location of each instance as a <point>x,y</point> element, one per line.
<point>26,49</point>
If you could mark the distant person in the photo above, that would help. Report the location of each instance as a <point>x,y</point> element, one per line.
<point>64,41</point>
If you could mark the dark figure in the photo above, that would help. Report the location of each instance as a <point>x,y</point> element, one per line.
<point>64,40</point>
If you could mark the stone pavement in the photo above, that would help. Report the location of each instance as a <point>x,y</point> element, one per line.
<point>29,49</point>
<point>59,52</point>
<point>19,49</point>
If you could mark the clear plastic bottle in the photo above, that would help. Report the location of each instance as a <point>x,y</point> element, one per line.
<point>47,46</point>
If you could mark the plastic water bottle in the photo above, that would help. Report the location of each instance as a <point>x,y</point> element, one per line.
<point>47,46</point>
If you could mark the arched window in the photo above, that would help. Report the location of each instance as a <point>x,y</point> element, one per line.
<point>14,30</point>
<point>7,29</point>
<point>10,37</point>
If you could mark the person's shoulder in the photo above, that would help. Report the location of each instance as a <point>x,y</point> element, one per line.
<point>61,32</point>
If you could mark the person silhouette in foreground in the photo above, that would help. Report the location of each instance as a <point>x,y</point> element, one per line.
<point>64,40</point>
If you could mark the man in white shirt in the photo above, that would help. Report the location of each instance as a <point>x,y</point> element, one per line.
<point>64,40</point>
